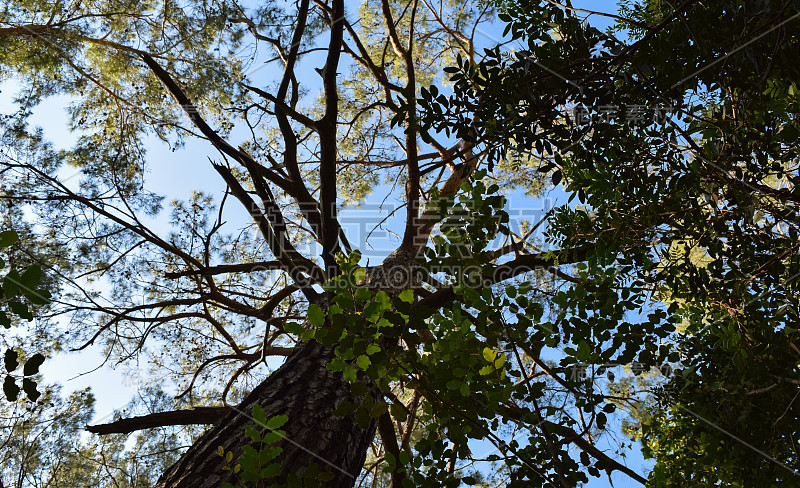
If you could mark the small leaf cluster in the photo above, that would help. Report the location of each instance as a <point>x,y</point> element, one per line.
<point>259,461</point>
<point>690,219</point>
<point>16,286</point>
<point>470,221</point>
<point>358,320</point>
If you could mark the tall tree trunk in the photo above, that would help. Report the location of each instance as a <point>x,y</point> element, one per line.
<point>308,393</point>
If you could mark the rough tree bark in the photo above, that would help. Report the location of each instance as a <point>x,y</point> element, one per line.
<point>308,393</point>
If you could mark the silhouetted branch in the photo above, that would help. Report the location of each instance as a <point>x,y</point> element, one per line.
<point>198,415</point>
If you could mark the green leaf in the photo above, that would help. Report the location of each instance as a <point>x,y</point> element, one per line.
<point>315,315</point>
<point>362,295</point>
<point>583,350</point>
<point>4,320</point>
<point>273,436</point>
<point>29,386</point>
<point>277,421</point>
<point>354,257</point>
<point>358,389</point>
<point>252,433</point>
<point>38,297</point>
<point>363,362</point>
<point>30,278</point>
<point>10,360</point>
<point>344,409</point>
<point>407,296</point>
<point>362,417</point>
<point>344,300</point>
<point>20,309</point>
<point>11,284</point>
<point>371,312</point>
<point>350,374</point>
<point>248,475</point>
<point>378,409</point>
<point>293,328</point>
<point>259,415</point>
<point>360,274</point>
<point>249,453</point>
<point>270,471</point>
<point>8,238</point>
<point>32,365</point>
<point>268,454</point>
<point>403,458</point>
<point>382,299</point>
<point>383,323</point>
<point>489,354</point>
<point>327,337</point>
<point>293,481</point>
<point>11,389</point>
<point>399,412</point>
<point>407,483</point>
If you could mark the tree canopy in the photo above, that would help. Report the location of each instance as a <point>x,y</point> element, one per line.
<point>658,298</point>
<point>676,131</point>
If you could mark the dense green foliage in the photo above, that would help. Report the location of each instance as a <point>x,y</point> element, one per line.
<point>676,132</point>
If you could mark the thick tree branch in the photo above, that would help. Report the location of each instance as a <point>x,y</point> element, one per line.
<point>257,170</point>
<point>198,415</point>
<point>389,438</point>
<point>191,111</point>
<point>280,106</point>
<point>410,235</point>
<point>297,38</point>
<point>295,187</point>
<point>226,268</point>
<point>326,127</point>
<point>391,27</point>
<point>275,232</point>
